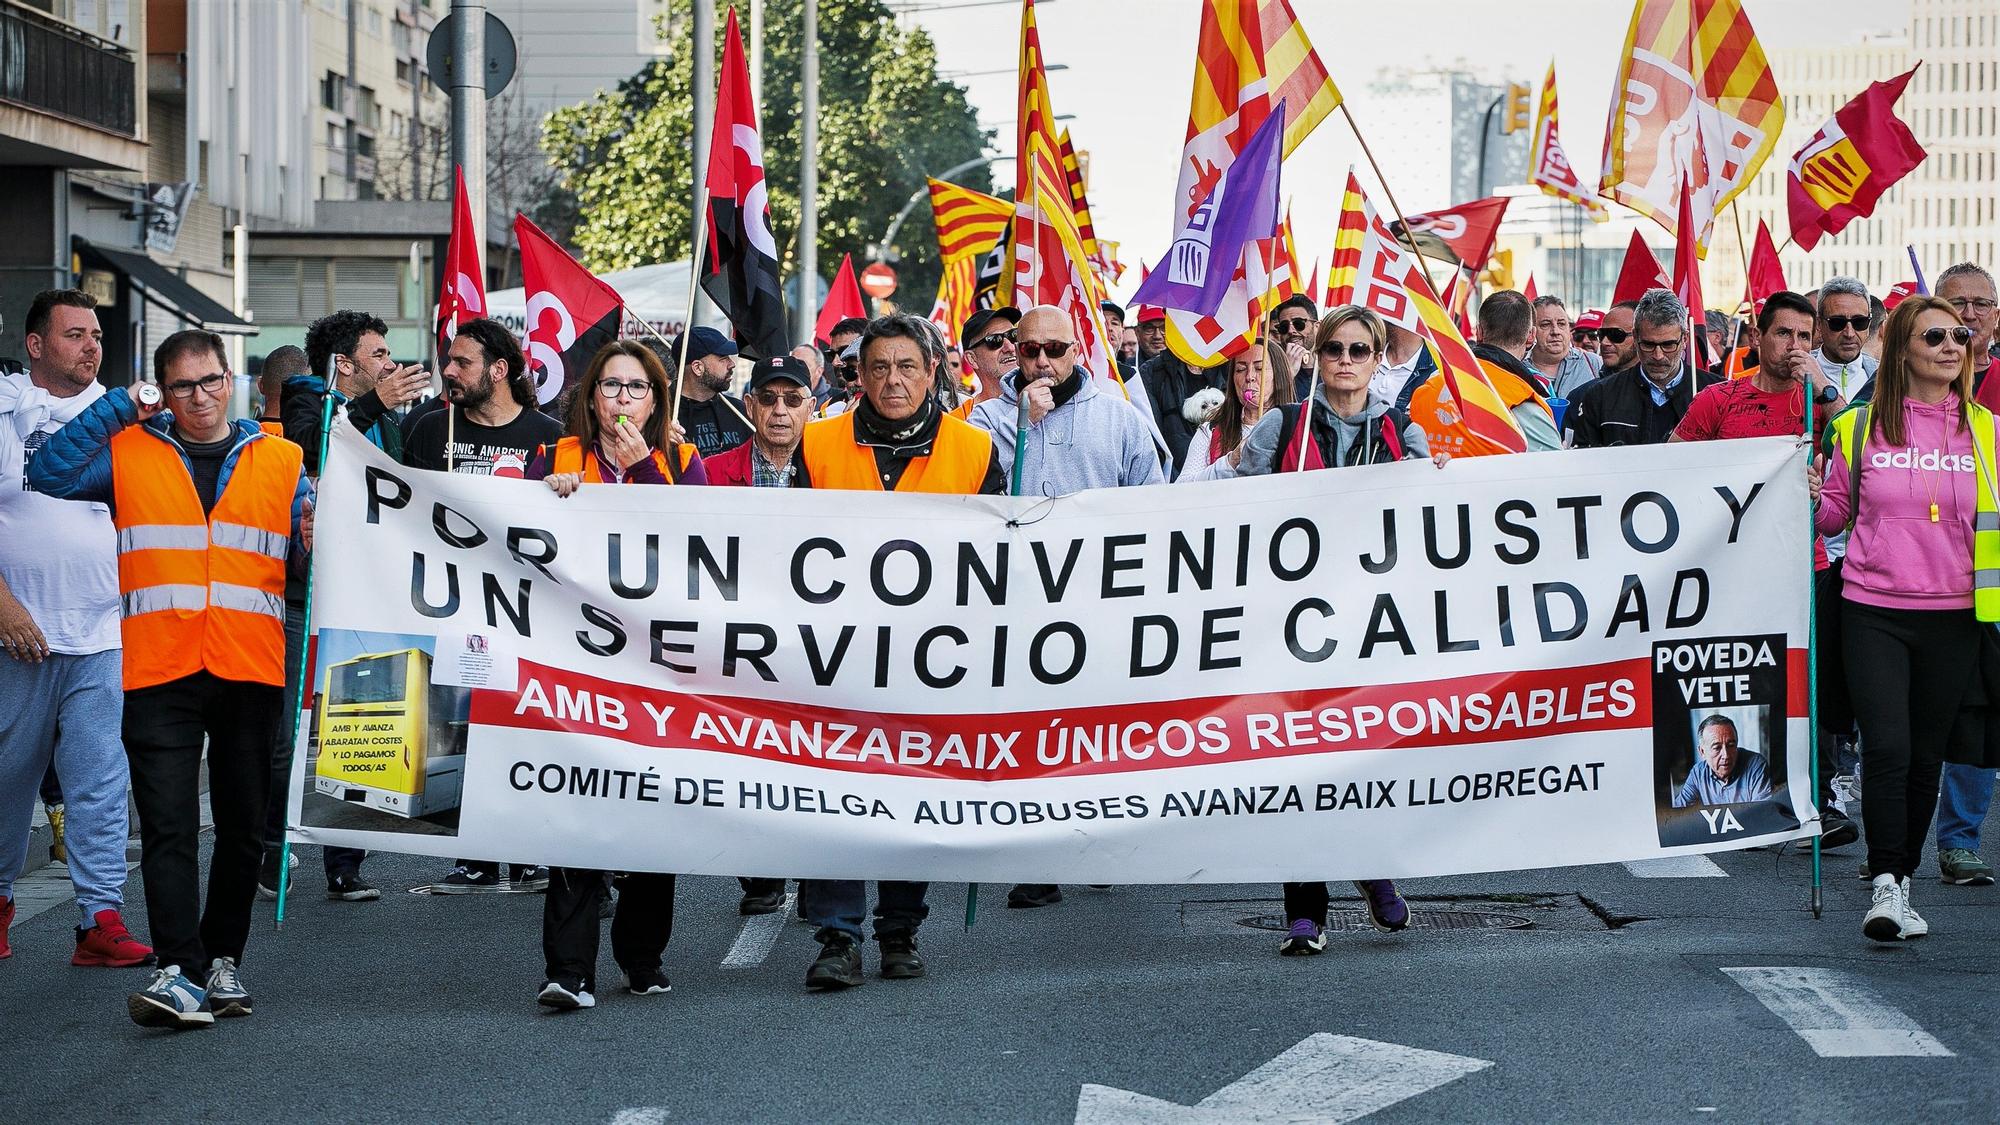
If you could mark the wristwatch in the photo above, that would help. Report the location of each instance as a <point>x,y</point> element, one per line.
<point>1828,395</point>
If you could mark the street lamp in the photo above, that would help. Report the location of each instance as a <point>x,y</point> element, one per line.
<point>1049,69</point>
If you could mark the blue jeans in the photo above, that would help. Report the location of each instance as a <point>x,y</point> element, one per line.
<point>1964,795</point>
<point>837,905</point>
<point>66,710</point>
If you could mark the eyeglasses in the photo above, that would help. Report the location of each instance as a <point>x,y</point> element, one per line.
<point>638,388</point>
<point>1978,304</point>
<point>792,399</point>
<point>994,339</point>
<point>1662,346</point>
<point>1935,337</point>
<point>207,384</point>
<point>1615,335</point>
<point>1843,323</point>
<point>1031,350</point>
<point>1295,324</point>
<point>1355,353</point>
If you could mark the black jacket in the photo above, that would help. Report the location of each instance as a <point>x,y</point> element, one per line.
<point>1169,383</point>
<point>1617,409</point>
<point>300,405</point>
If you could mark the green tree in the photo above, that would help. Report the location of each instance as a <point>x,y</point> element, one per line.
<point>886,120</point>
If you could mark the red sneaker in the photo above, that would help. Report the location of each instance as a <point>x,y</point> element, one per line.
<point>6,920</point>
<point>110,945</point>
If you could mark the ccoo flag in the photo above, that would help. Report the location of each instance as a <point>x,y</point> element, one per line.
<point>740,266</point>
<point>571,313</point>
<point>463,296</point>
<point>1470,229</point>
<point>1695,100</point>
<point>1548,165</point>
<point>1843,170</point>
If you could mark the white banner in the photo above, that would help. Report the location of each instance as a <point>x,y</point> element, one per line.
<point>1510,662</point>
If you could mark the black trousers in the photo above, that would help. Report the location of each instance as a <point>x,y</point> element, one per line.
<point>1306,900</point>
<point>164,729</point>
<point>1907,675</point>
<point>639,930</point>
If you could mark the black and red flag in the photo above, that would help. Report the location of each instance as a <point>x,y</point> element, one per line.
<point>571,314</point>
<point>463,294</point>
<point>739,270</point>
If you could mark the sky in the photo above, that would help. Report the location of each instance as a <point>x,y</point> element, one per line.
<point>1131,65</point>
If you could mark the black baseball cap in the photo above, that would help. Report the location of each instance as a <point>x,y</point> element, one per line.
<point>772,369</point>
<point>704,341</point>
<point>975,325</point>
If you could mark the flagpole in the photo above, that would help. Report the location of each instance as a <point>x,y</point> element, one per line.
<point>1812,661</point>
<point>305,650</point>
<point>694,286</point>
<point>1390,195</point>
<point>670,345</point>
<point>1742,247</point>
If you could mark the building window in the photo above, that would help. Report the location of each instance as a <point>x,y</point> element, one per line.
<point>332,91</point>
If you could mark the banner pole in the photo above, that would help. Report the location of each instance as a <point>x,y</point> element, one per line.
<point>305,658</point>
<point>694,286</point>
<point>669,344</point>
<point>1812,661</point>
<point>1390,195</point>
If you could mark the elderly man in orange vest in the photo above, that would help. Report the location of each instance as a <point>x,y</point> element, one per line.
<point>896,439</point>
<point>209,514</point>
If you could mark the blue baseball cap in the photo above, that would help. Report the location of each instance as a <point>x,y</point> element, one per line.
<point>705,341</point>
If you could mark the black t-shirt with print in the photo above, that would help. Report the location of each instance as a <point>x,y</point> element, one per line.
<point>712,426</point>
<point>501,451</point>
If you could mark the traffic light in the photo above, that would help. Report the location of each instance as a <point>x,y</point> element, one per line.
<point>1517,109</point>
<point>1499,272</point>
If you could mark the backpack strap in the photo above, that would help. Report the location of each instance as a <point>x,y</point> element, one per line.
<point>1392,423</point>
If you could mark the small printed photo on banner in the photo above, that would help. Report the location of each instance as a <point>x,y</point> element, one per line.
<point>385,740</point>
<point>1719,765</point>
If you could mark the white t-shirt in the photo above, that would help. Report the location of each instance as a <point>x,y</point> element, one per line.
<point>59,557</point>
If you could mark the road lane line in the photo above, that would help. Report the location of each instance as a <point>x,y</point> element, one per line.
<point>647,1115</point>
<point>758,935</point>
<point>1836,1013</point>
<point>1676,867</point>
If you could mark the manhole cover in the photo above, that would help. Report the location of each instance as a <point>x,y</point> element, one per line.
<point>1356,921</point>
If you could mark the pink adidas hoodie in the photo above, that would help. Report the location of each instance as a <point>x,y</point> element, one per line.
<point>1897,558</point>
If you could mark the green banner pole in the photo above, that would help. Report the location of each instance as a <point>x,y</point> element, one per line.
<point>305,654</point>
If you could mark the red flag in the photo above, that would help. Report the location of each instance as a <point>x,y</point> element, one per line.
<point>842,301</point>
<point>463,294</point>
<point>571,314</point>
<point>1312,286</point>
<point>1640,272</point>
<point>1687,276</point>
<point>1469,229</point>
<point>739,269</point>
<point>1528,290</point>
<point>1766,274</point>
<point>1844,169</point>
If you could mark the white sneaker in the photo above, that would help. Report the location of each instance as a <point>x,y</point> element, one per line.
<point>1885,913</point>
<point>1913,922</point>
<point>565,999</point>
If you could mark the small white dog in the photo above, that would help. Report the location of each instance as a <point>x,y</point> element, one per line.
<point>1201,406</point>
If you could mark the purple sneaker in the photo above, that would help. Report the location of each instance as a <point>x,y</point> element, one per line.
<point>1386,907</point>
<point>1303,940</point>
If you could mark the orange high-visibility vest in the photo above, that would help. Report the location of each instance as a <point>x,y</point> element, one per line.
<point>570,457</point>
<point>956,464</point>
<point>202,592</point>
<point>1428,411</point>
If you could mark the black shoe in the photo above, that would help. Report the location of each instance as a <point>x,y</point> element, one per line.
<point>838,966</point>
<point>900,960</point>
<point>1028,895</point>
<point>349,886</point>
<point>1836,829</point>
<point>647,982</point>
<point>762,902</point>
<point>530,879</point>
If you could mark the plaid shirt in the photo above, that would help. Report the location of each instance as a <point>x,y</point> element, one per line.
<point>764,475</point>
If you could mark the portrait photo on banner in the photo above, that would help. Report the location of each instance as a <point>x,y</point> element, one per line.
<point>1719,739</point>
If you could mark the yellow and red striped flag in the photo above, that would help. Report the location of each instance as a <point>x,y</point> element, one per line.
<point>1064,278</point>
<point>1696,103</point>
<point>1548,165</point>
<point>968,222</point>
<point>1079,204</point>
<point>1295,74</point>
<point>1034,128</point>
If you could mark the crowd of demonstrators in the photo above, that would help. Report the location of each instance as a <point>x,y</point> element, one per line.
<point>1921,580</point>
<point>60,643</point>
<point>1554,355</point>
<point>1078,436</point>
<point>617,433</point>
<point>210,515</point>
<point>1257,383</point>
<point>1643,403</point>
<point>896,439</point>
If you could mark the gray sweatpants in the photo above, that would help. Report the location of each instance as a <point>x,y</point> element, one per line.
<point>69,708</point>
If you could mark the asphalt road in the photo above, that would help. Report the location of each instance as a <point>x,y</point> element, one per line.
<point>1617,1004</point>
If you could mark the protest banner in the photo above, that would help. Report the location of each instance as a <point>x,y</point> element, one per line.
<point>1390,671</point>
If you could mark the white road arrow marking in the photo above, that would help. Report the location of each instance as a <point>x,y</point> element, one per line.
<point>1323,1078</point>
<point>1676,867</point>
<point>1836,1013</point>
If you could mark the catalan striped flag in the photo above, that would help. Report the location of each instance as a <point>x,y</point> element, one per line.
<point>1695,101</point>
<point>1548,165</point>
<point>1293,69</point>
<point>1065,279</point>
<point>968,222</point>
<point>1034,129</point>
<point>1078,203</point>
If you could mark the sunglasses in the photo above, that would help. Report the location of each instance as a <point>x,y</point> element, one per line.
<point>1615,335</point>
<point>995,339</point>
<point>1296,324</point>
<point>1355,353</point>
<point>792,399</point>
<point>1843,323</point>
<point>1935,337</point>
<point>1054,349</point>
